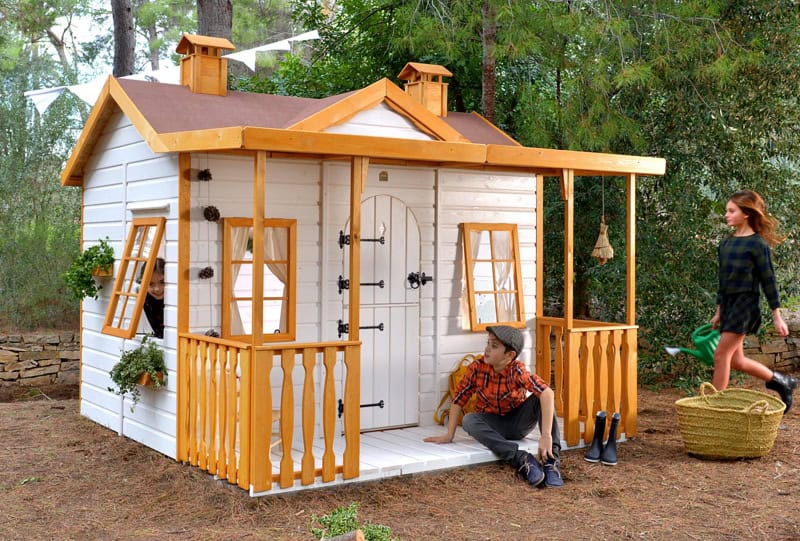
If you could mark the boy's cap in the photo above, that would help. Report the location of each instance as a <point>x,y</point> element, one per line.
<point>512,338</point>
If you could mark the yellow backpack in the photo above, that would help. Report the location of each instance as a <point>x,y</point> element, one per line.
<point>443,409</point>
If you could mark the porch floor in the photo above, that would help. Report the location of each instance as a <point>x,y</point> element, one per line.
<point>396,452</point>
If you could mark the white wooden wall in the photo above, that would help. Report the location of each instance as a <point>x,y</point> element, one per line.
<point>123,172</point>
<point>316,194</point>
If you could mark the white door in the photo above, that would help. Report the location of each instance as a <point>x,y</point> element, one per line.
<point>389,314</point>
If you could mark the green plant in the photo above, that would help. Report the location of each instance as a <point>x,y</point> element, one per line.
<point>146,358</point>
<point>79,276</point>
<point>343,520</point>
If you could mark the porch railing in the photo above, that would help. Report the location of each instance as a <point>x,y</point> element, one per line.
<point>593,367</point>
<point>225,410</point>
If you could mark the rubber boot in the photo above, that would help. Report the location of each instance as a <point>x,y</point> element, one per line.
<point>609,455</point>
<point>593,454</point>
<point>784,385</point>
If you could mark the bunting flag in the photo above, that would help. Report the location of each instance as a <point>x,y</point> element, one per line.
<point>44,97</point>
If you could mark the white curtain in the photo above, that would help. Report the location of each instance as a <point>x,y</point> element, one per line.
<point>240,237</point>
<point>475,245</point>
<point>505,302</point>
<point>276,242</point>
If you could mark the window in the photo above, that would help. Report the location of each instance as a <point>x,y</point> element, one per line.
<point>493,280</point>
<point>279,300</point>
<point>135,269</point>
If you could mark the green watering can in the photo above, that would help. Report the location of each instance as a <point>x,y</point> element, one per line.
<point>705,339</point>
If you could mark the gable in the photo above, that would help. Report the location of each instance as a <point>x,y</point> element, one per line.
<point>380,121</point>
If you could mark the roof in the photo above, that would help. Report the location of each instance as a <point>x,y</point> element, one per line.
<point>407,73</point>
<point>208,41</point>
<point>171,118</point>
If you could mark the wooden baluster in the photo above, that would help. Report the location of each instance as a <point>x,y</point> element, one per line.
<point>287,418</point>
<point>181,438</point>
<point>203,403</point>
<point>261,422</point>
<point>571,396</point>
<point>233,413</point>
<point>588,383</point>
<point>329,416</point>
<point>352,412</point>
<point>212,409</point>
<point>309,360</point>
<point>222,461</point>
<point>543,356</point>
<point>558,386</point>
<point>601,372</point>
<point>192,413</point>
<point>614,376</point>
<point>246,361</point>
<point>630,393</point>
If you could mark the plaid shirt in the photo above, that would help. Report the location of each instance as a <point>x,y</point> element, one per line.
<point>497,393</point>
<point>744,264</point>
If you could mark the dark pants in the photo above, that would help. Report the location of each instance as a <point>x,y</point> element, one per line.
<point>495,431</point>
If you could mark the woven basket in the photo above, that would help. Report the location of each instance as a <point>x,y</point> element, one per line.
<point>734,423</point>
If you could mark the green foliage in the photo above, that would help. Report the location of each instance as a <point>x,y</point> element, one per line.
<point>343,520</point>
<point>147,357</point>
<point>79,276</point>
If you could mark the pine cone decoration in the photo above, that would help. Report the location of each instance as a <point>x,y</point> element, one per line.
<point>212,333</point>
<point>204,174</point>
<point>206,273</point>
<point>211,213</point>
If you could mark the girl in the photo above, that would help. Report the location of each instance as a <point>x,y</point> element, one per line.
<point>745,264</point>
<point>154,301</point>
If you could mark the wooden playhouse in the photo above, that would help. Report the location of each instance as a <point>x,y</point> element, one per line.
<point>388,232</point>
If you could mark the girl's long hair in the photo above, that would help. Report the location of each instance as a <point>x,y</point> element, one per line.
<point>763,223</point>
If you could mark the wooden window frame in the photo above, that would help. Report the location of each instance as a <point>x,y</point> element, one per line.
<point>467,230</point>
<point>124,290</point>
<point>291,287</point>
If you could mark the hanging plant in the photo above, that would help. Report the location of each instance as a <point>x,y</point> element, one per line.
<point>211,213</point>
<point>143,365</point>
<point>206,273</point>
<point>96,260</point>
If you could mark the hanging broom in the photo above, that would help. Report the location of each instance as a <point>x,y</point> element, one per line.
<point>602,248</point>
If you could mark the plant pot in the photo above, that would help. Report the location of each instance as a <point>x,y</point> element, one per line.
<point>146,381</point>
<point>99,272</point>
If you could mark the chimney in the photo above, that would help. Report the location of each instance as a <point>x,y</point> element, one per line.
<point>425,85</point>
<point>203,69</point>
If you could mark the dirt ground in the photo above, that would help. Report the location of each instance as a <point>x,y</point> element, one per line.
<point>64,477</point>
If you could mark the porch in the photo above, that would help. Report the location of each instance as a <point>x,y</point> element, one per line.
<point>230,426</point>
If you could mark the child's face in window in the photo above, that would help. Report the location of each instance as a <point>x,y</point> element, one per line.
<point>156,287</point>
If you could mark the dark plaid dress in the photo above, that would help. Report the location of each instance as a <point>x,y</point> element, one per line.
<point>745,267</point>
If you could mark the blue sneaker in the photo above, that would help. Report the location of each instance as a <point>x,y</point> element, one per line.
<point>552,473</point>
<point>531,471</point>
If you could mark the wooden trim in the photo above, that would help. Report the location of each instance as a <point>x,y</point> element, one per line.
<point>568,187</point>
<point>220,139</point>
<point>420,115</point>
<point>126,280</point>
<point>72,175</point>
<point>340,144</point>
<point>539,247</point>
<point>586,162</point>
<point>344,109</point>
<point>466,229</point>
<point>184,238</point>
<point>290,225</point>
<point>136,117</point>
<point>259,202</point>
<point>630,258</point>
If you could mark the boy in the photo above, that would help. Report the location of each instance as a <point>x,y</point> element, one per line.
<point>502,411</point>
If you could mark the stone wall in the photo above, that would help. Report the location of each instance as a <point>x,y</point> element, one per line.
<point>39,359</point>
<point>775,352</point>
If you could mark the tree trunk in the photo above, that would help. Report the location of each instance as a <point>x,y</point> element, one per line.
<point>215,18</point>
<point>488,41</point>
<point>124,38</point>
